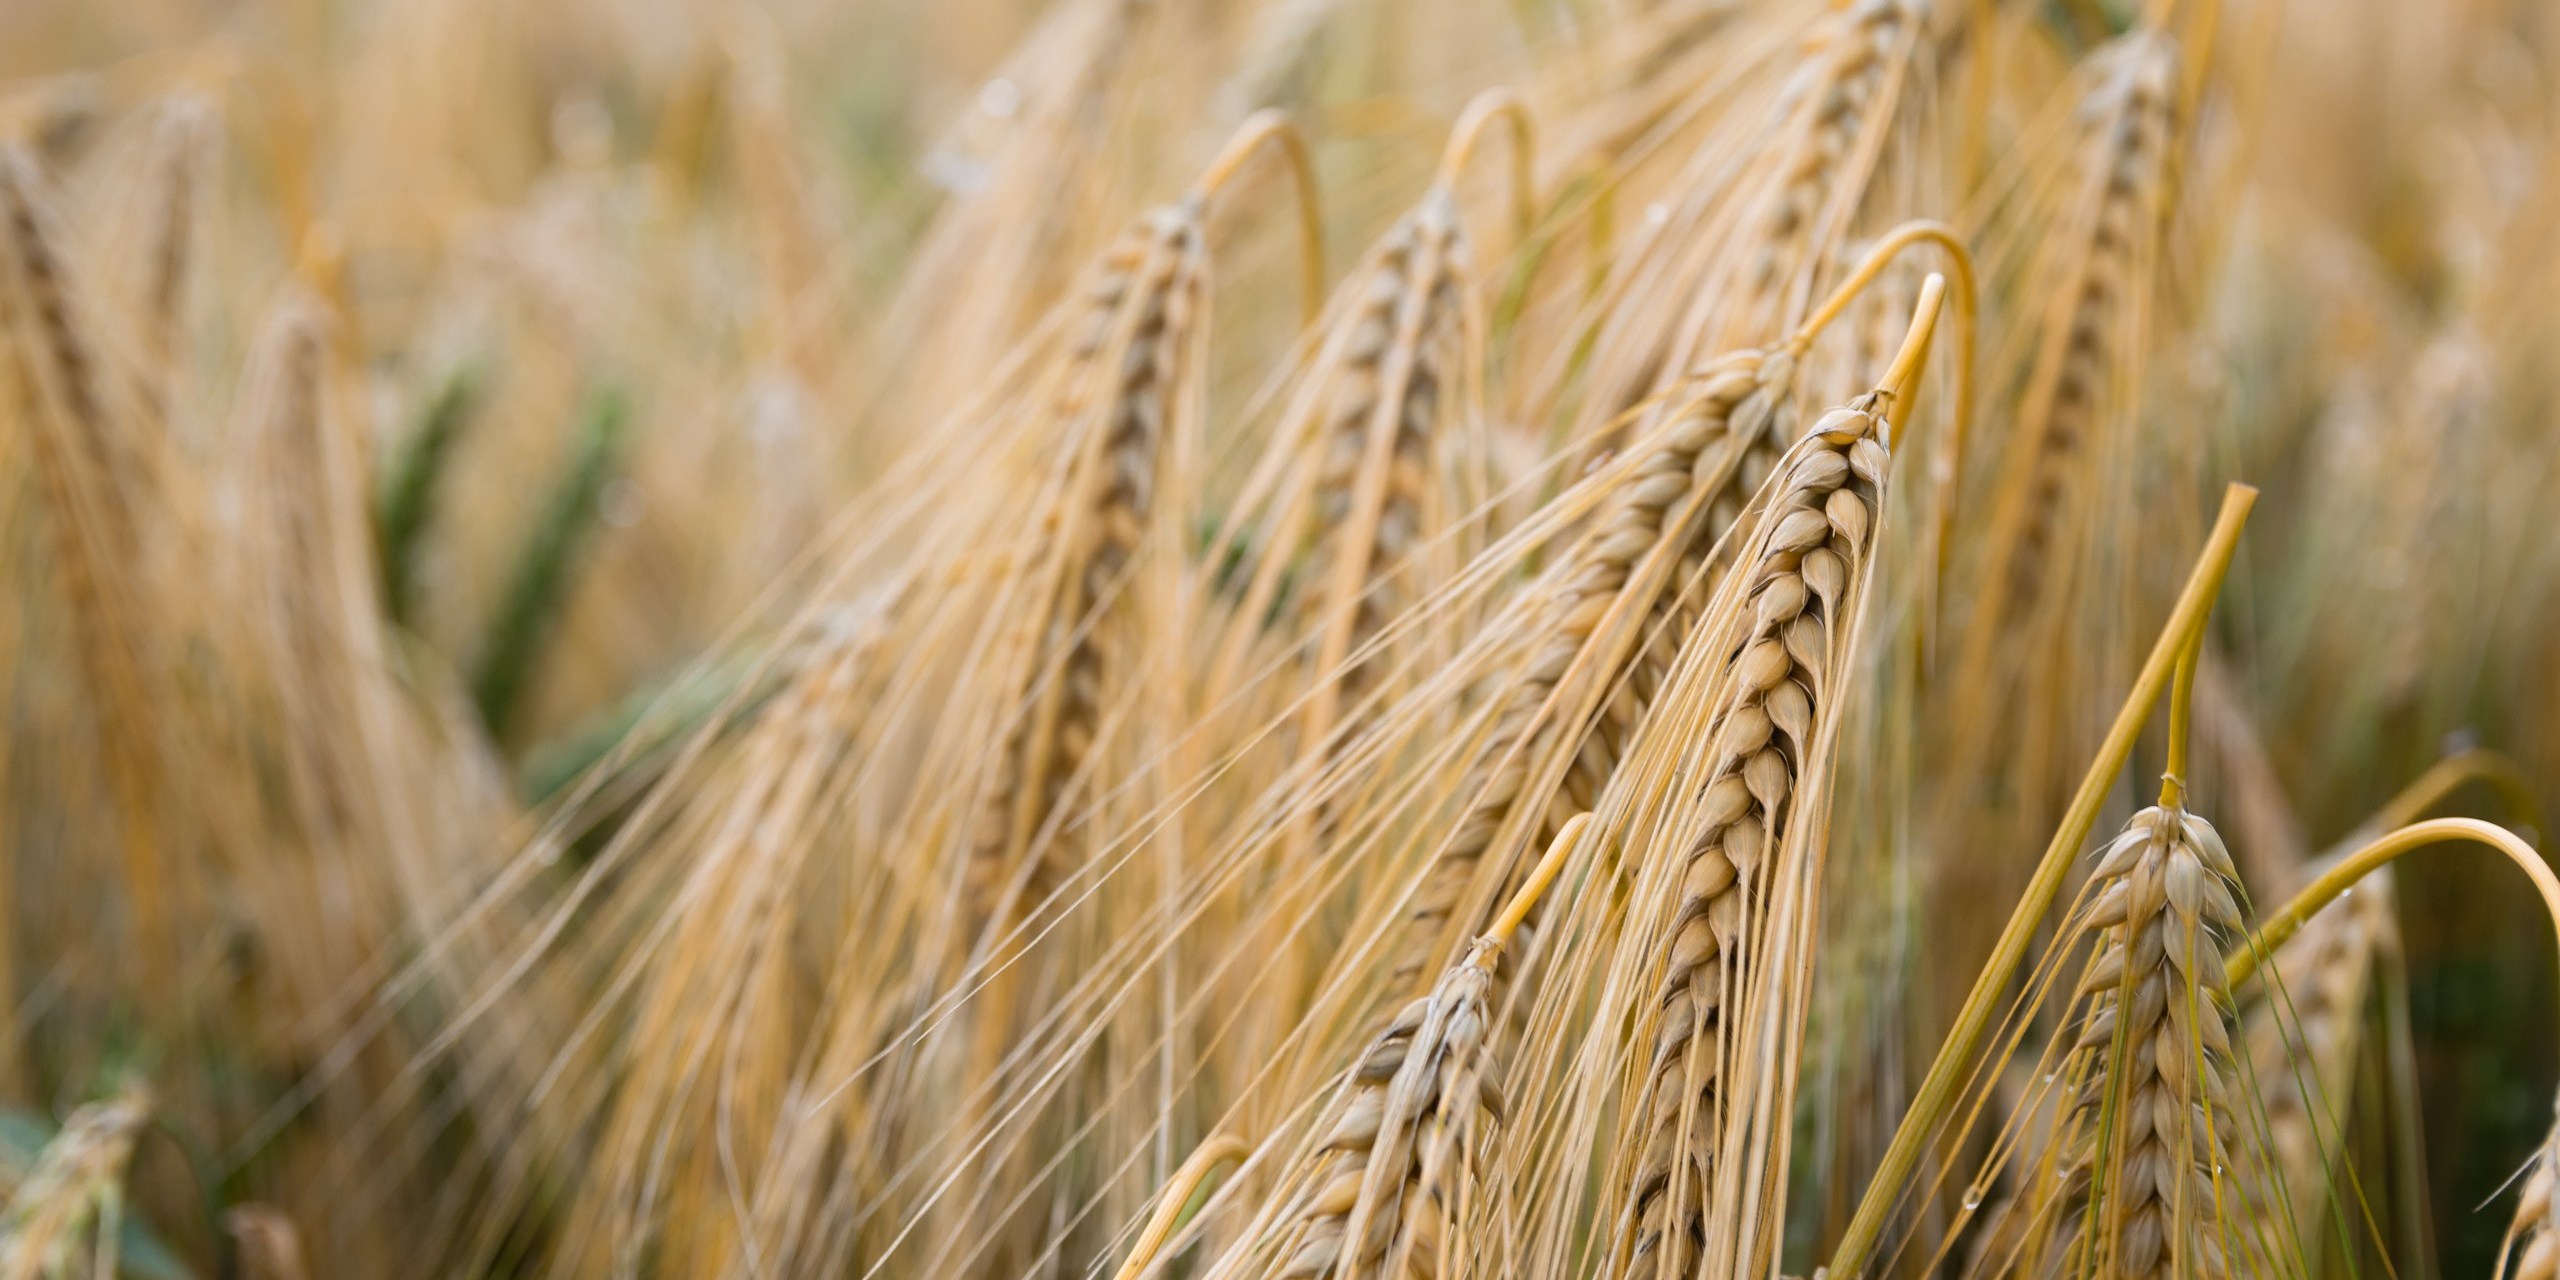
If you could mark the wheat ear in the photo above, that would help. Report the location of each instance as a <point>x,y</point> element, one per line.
<point>1784,660</point>
<point>1379,1192</point>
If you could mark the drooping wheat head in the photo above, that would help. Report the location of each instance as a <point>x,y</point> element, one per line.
<point>1384,1188</point>
<point>1782,651</point>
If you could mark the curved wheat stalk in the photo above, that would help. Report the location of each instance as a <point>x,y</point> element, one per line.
<point>2530,1244</point>
<point>2306,1035</point>
<point>1178,1191</point>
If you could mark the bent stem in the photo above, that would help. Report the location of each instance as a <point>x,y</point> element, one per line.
<point>1968,314</point>
<point>1948,470</point>
<point>1271,126</point>
<point>1947,1073</point>
<point>1901,376</point>
<point>1178,1191</point>
<point>1504,105</point>
<point>2355,866</point>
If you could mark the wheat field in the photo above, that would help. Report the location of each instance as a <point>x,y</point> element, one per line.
<point>1279,639</point>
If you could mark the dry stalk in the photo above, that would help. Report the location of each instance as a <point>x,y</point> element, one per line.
<point>1375,487</point>
<point>1356,477</point>
<point>1612,626</point>
<point>718,1024</point>
<point>95,476</point>
<point>1024,170</point>
<point>1102,595</point>
<point>1737,258</point>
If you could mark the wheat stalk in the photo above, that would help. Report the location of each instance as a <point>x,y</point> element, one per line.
<point>1736,256</point>
<point>1126,375</point>
<point>2148,1184</point>
<point>96,477</point>
<point>1939,1091</point>
<point>2090,333</point>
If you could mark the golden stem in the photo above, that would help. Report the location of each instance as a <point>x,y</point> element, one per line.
<point>1901,376</point>
<point>1505,105</point>
<point>2451,774</point>
<point>1177,1195</point>
<point>1544,874</point>
<point>1274,126</point>
<point>2173,778</point>
<point>2355,866</point>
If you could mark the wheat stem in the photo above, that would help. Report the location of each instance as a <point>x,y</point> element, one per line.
<point>1178,1191</point>
<point>1275,128</point>
<point>1487,107</point>
<point>1900,376</point>
<point>2381,852</point>
<point>2451,774</point>
<point>2173,778</point>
